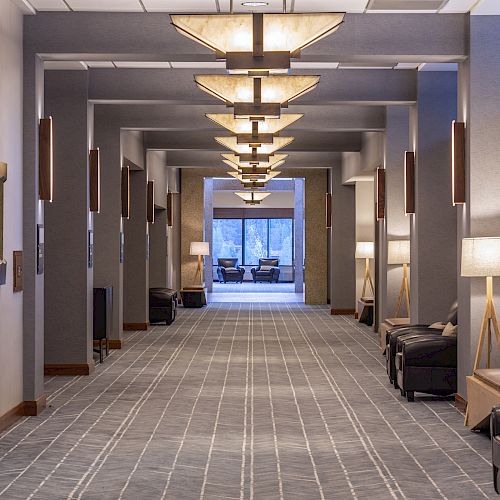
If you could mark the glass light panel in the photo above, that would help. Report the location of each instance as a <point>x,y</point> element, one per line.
<point>239,167</point>
<point>240,126</point>
<point>256,178</point>
<point>273,162</point>
<point>265,149</point>
<point>238,88</point>
<point>234,32</point>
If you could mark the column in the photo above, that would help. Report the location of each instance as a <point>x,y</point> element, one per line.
<point>33,283</point>
<point>479,108</point>
<point>298,214</point>
<point>136,261</point>
<point>108,268</point>
<point>68,276</point>
<point>208,200</point>
<point>343,285</point>
<point>396,225</point>
<point>433,285</point>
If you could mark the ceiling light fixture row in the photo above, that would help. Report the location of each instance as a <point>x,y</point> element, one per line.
<point>257,49</point>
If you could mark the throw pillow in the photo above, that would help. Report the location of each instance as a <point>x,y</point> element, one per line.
<point>450,330</point>
<point>438,325</point>
<point>266,268</point>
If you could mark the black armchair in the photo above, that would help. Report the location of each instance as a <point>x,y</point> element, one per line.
<point>393,334</point>
<point>267,270</point>
<point>427,363</point>
<point>229,271</point>
<point>495,443</point>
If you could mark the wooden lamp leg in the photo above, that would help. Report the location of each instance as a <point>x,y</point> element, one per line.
<point>407,288</point>
<point>198,275</point>
<point>369,277</point>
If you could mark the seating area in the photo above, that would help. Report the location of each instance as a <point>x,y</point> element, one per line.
<point>228,271</point>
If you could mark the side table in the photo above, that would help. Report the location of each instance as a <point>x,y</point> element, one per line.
<point>194,297</point>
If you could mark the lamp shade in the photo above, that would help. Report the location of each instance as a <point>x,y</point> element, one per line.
<point>234,32</point>
<point>266,149</point>
<point>239,126</point>
<point>236,88</point>
<point>365,250</point>
<point>199,248</point>
<point>480,257</point>
<point>398,252</point>
<point>272,163</point>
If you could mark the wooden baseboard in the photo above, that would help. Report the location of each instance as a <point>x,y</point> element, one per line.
<point>7,419</point>
<point>115,343</point>
<point>342,312</point>
<point>132,327</point>
<point>24,409</point>
<point>460,403</point>
<point>69,369</point>
<point>34,408</point>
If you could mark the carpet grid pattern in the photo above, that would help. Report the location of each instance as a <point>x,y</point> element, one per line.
<point>243,401</point>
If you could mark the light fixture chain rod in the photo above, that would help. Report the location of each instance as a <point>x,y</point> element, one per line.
<point>284,6</point>
<point>231,7</point>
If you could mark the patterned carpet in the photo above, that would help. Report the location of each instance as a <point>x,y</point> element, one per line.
<point>263,401</point>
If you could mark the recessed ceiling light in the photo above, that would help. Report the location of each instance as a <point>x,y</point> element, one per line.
<point>255,4</point>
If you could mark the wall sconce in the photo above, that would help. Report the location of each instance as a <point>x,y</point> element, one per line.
<point>170,207</point>
<point>3,263</point>
<point>45,159</point>
<point>380,187</point>
<point>125,192</point>
<point>409,182</point>
<point>151,201</point>
<point>328,210</point>
<point>458,162</point>
<point>95,180</point>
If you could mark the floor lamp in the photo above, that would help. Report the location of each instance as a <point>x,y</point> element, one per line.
<point>366,250</point>
<point>481,258</point>
<point>199,248</point>
<point>398,253</point>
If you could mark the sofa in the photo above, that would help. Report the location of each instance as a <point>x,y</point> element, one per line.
<point>163,304</point>
<point>428,364</point>
<point>267,270</point>
<point>393,334</point>
<point>495,443</point>
<point>228,270</point>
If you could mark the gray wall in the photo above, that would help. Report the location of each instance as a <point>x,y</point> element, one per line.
<point>11,141</point>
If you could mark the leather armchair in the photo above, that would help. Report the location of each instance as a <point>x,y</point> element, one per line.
<point>229,271</point>
<point>495,443</point>
<point>267,270</point>
<point>427,363</point>
<point>393,334</point>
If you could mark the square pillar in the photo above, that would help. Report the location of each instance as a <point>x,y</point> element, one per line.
<point>68,275</point>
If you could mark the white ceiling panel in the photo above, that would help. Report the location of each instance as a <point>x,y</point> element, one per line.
<point>457,6</point>
<point>487,8</point>
<point>49,4</point>
<point>314,65</point>
<point>330,5</point>
<point>106,5</point>
<point>199,65</point>
<point>180,5</point>
<point>142,64</point>
<point>100,64</point>
<point>412,65</point>
<point>438,67</point>
<point>272,6</point>
<point>64,65</point>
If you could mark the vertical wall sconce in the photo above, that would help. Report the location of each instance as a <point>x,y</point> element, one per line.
<point>458,162</point>
<point>170,214</point>
<point>328,210</point>
<point>3,263</point>
<point>380,187</point>
<point>409,182</point>
<point>95,180</point>
<point>45,159</point>
<point>151,201</point>
<point>125,192</point>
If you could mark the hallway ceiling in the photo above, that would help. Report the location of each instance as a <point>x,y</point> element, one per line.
<point>481,7</point>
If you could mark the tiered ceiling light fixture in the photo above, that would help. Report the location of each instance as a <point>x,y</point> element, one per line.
<point>257,49</point>
<point>252,197</point>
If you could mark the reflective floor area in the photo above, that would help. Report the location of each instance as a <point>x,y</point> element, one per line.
<point>243,401</point>
<point>250,292</point>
